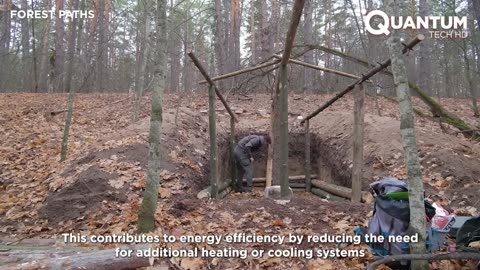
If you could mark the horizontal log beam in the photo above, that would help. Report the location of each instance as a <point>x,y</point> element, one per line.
<point>340,191</point>
<point>333,71</point>
<point>209,80</point>
<point>325,195</point>
<point>365,77</point>
<point>242,71</point>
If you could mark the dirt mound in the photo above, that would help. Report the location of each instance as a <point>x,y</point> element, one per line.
<point>76,200</point>
<point>448,163</point>
<point>114,172</point>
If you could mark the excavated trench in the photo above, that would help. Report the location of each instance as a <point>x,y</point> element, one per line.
<point>326,162</point>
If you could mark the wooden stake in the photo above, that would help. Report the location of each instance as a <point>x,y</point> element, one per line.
<point>213,142</point>
<point>232,148</point>
<point>358,116</point>
<point>268,175</point>
<point>308,179</point>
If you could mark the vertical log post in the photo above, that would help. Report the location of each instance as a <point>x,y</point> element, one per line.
<point>358,117</point>
<point>268,175</point>
<point>213,141</point>
<point>280,106</point>
<point>308,179</point>
<point>232,148</point>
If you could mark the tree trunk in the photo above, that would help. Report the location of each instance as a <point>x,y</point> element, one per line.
<point>280,107</point>
<point>68,121</point>
<point>416,190</point>
<point>253,35</point>
<point>471,86</point>
<point>234,37</point>
<point>59,54</point>
<point>72,31</point>
<point>218,39</point>
<point>146,215</point>
<point>102,48</point>
<point>307,57</point>
<point>424,55</point>
<point>34,54</point>
<point>25,48</point>
<point>143,59</point>
<point>44,65</point>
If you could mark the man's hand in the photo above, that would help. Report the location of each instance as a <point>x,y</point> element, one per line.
<point>251,159</point>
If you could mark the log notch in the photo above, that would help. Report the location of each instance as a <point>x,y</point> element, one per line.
<point>280,105</point>
<point>365,77</point>
<point>358,116</point>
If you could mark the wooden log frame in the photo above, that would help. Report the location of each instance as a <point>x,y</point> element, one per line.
<point>242,71</point>
<point>209,80</point>
<point>365,77</point>
<point>436,109</point>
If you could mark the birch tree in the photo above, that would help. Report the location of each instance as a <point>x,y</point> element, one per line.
<point>416,190</point>
<point>146,215</point>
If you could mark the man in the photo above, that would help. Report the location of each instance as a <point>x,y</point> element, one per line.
<point>244,158</point>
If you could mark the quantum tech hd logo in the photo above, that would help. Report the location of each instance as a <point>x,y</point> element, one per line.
<point>437,26</point>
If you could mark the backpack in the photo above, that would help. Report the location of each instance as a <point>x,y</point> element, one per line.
<point>391,216</point>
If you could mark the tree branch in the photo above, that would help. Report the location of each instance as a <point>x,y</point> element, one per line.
<point>444,256</point>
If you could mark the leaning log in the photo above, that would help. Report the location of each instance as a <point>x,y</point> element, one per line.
<point>340,191</point>
<point>101,259</point>
<point>325,195</point>
<point>207,77</point>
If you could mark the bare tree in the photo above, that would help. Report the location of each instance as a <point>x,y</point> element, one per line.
<point>146,215</point>
<point>416,190</point>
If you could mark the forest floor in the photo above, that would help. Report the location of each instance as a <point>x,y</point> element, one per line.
<point>98,189</point>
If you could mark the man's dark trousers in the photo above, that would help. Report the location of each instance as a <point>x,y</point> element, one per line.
<point>244,168</point>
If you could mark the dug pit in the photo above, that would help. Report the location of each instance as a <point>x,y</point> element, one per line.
<point>326,163</point>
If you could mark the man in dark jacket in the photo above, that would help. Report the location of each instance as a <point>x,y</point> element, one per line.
<point>244,158</point>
